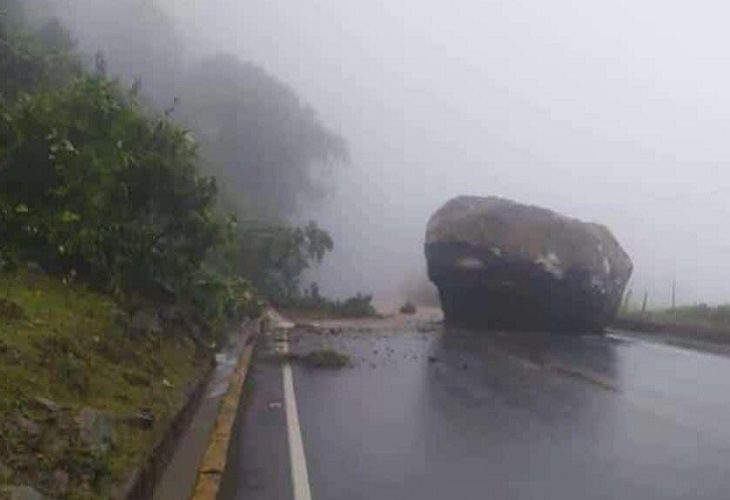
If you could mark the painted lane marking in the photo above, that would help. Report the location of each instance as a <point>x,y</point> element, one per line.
<point>299,475</point>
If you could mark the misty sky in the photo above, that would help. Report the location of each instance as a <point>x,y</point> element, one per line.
<point>615,112</point>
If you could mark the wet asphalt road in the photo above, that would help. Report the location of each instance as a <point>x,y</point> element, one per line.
<point>462,415</point>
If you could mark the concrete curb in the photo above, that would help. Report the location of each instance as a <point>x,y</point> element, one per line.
<point>213,464</point>
<point>141,482</point>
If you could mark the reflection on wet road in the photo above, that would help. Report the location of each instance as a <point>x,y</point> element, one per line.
<point>455,414</point>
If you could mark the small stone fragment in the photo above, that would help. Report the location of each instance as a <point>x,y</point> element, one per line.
<point>95,429</point>
<point>5,473</point>
<point>11,310</point>
<point>408,308</point>
<point>144,419</point>
<point>20,493</point>
<point>46,404</point>
<point>29,427</point>
<point>60,480</point>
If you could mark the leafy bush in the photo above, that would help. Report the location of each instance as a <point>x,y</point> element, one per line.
<point>357,306</point>
<point>91,183</point>
<point>274,255</point>
<point>220,297</point>
<point>94,186</point>
<point>30,60</point>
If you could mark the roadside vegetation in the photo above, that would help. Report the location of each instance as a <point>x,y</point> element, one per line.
<point>81,395</point>
<point>310,304</point>
<point>123,264</point>
<point>701,321</point>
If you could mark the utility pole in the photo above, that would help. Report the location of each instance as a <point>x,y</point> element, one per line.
<point>627,301</point>
<point>643,304</point>
<point>674,293</point>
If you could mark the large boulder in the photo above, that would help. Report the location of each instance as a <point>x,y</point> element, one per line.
<point>502,265</point>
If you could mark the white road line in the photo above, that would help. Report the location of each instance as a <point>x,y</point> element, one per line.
<point>299,475</point>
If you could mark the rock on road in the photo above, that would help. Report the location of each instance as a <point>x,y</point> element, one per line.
<point>424,413</point>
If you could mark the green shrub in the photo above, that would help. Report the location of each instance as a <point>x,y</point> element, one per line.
<point>95,187</point>
<point>357,306</point>
<point>92,184</point>
<point>230,296</point>
<point>273,255</point>
<point>29,61</point>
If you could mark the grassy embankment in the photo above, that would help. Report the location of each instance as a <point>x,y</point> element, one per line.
<point>81,401</point>
<point>700,322</point>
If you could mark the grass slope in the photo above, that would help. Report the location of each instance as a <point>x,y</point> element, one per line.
<point>68,344</point>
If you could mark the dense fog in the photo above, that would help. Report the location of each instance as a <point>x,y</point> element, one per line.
<point>614,112</point>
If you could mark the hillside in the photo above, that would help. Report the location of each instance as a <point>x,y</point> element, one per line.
<point>82,398</point>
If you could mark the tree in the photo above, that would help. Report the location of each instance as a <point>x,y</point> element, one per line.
<point>33,59</point>
<point>274,256</point>
<point>11,14</point>
<point>91,183</point>
<point>256,135</point>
